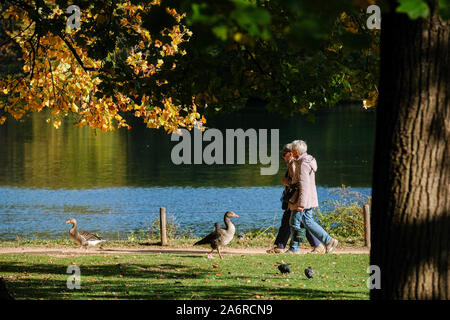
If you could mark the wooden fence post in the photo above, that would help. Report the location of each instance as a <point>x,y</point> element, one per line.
<point>162,224</point>
<point>366,210</point>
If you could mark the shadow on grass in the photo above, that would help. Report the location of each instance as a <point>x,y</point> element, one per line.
<point>145,281</point>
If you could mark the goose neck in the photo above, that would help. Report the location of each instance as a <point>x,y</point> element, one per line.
<point>74,227</point>
<point>228,223</point>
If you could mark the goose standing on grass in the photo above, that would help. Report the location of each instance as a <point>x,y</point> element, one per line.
<point>83,238</point>
<point>220,237</point>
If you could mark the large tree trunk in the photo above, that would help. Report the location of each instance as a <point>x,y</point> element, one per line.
<point>411,185</point>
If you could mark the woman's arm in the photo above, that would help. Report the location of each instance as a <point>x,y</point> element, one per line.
<point>303,174</point>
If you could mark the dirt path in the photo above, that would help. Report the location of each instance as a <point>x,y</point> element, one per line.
<point>152,250</point>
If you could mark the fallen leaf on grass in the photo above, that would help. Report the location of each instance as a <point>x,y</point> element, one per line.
<point>355,285</point>
<point>215,266</point>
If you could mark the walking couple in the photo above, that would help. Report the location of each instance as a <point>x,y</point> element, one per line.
<point>299,201</point>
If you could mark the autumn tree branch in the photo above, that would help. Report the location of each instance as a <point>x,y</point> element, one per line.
<point>75,54</point>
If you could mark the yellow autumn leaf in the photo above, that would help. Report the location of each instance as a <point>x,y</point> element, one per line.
<point>237,37</point>
<point>57,123</point>
<point>371,101</point>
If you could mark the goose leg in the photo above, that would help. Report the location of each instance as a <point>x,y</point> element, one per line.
<point>210,254</point>
<point>218,251</point>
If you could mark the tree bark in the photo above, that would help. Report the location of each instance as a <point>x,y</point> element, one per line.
<point>411,190</point>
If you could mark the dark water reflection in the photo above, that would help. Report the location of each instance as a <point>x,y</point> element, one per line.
<point>115,182</point>
<point>33,154</point>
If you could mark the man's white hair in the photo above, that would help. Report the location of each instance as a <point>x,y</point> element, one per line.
<point>300,146</point>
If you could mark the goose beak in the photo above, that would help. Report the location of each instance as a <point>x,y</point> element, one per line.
<point>67,221</point>
<point>235,215</point>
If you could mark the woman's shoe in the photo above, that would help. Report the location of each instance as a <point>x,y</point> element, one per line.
<point>318,250</point>
<point>332,244</point>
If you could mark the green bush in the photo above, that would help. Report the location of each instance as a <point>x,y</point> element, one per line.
<point>344,218</point>
<point>262,233</point>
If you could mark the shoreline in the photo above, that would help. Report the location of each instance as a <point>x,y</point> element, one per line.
<point>138,248</point>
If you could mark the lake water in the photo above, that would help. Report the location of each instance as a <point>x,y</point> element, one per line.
<point>115,182</point>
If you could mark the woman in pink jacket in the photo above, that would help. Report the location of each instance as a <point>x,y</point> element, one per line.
<point>302,169</point>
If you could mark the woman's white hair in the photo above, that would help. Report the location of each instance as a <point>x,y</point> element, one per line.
<point>300,146</point>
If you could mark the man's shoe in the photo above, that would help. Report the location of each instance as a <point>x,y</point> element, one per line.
<point>318,250</point>
<point>332,244</point>
<point>292,251</point>
<point>275,250</point>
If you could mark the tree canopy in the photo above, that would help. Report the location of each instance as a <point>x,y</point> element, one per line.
<point>167,61</point>
<point>114,64</point>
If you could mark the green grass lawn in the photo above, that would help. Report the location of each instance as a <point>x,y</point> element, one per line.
<point>182,276</point>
